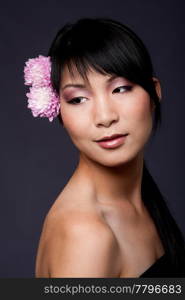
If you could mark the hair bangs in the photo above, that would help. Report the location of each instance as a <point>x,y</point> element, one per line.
<point>82,66</point>
<point>106,52</point>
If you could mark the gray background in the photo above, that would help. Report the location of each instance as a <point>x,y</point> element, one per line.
<point>38,157</point>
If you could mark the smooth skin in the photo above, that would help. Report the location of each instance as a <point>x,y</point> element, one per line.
<point>98,226</point>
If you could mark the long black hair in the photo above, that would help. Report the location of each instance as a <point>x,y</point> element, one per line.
<point>111,47</point>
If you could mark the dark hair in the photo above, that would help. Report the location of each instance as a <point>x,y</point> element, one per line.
<point>109,47</point>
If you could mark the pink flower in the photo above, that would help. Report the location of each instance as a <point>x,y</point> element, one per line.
<point>43,102</point>
<point>42,99</point>
<point>37,71</point>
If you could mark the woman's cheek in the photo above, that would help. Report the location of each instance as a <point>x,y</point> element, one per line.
<point>139,108</point>
<point>74,125</point>
<point>139,119</point>
<point>68,115</point>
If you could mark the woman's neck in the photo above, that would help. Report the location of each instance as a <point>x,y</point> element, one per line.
<point>113,184</point>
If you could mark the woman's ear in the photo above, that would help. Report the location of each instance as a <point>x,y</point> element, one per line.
<point>157,87</point>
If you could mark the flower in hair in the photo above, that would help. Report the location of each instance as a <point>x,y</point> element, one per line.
<point>37,71</point>
<point>43,102</point>
<point>42,99</point>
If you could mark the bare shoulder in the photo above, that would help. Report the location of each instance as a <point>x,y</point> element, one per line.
<point>76,243</point>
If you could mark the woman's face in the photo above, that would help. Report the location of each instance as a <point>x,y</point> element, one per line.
<point>104,106</point>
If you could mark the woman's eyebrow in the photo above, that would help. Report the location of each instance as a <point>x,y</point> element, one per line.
<point>77,85</point>
<point>83,86</point>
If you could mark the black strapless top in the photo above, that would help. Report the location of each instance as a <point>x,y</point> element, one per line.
<point>163,268</point>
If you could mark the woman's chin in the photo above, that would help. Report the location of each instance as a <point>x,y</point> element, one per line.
<point>114,162</point>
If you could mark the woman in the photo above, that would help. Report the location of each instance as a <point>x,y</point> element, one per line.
<point>110,220</point>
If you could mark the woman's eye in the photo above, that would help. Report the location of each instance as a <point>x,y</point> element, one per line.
<point>76,100</point>
<point>121,89</point>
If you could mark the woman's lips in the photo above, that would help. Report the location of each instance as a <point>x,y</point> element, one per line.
<point>113,143</point>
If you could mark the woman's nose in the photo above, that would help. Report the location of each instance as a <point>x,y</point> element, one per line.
<point>105,114</point>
